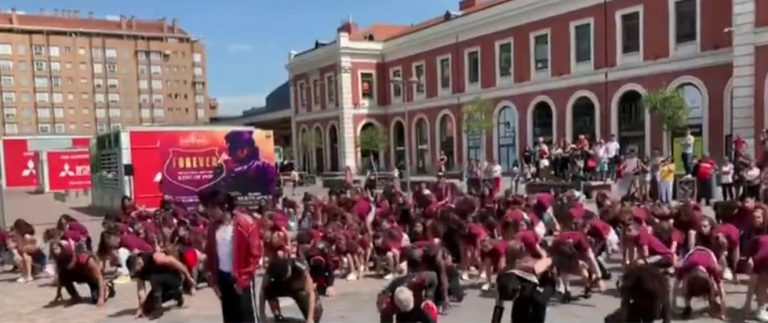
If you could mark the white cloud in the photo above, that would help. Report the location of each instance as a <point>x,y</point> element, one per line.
<point>239,48</point>
<point>235,104</point>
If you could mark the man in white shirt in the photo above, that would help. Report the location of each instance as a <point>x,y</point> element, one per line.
<point>687,152</point>
<point>611,153</point>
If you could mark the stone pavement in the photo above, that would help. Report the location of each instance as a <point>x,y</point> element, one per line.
<point>354,301</point>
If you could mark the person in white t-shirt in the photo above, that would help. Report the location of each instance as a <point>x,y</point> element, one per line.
<point>611,153</point>
<point>687,152</point>
<point>496,171</point>
<point>726,180</point>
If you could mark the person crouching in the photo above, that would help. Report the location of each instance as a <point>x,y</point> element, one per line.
<point>79,267</point>
<point>699,275</point>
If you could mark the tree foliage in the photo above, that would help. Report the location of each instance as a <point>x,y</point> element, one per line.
<point>477,115</point>
<point>309,141</point>
<point>669,107</point>
<point>372,139</point>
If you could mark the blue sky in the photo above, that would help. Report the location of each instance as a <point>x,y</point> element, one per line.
<point>248,40</point>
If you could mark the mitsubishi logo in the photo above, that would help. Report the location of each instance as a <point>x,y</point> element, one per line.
<point>67,171</point>
<point>30,170</point>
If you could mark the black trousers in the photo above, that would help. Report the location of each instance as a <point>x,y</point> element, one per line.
<point>531,305</point>
<point>69,286</point>
<point>728,192</point>
<point>238,308</point>
<point>163,287</point>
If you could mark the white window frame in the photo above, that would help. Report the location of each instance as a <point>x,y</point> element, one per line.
<point>631,58</point>
<point>8,77</point>
<point>473,87</point>
<point>99,98</point>
<point>372,101</point>
<point>302,99</point>
<point>6,49</point>
<point>588,66</point>
<point>53,51</point>
<point>392,97</point>
<point>690,48</point>
<point>11,128</point>
<point>532,41</point>
<point>197,57</point>
<point>58,112</point>
<point>505,80</point>
<point>423,80</point>
<point>107,52</point>
<point>314,93</point>
<point>42,126</point>
<point>328,87</point>
<point>440,90</point>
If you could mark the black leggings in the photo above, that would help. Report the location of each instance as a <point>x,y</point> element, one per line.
<point>69,286</point>
<point>531,305</point>
<point>300,298</point>
<point>163,287</point>
<point>728,192</point>
<point>237,307</point>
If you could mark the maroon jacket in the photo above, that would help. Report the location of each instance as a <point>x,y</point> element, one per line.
<point>246,250</point>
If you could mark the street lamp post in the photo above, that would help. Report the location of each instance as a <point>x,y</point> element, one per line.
<point>407,87</point>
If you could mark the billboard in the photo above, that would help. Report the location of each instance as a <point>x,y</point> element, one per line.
<point>68,170</point>
<point>20,161</point>
<point>180,164</point>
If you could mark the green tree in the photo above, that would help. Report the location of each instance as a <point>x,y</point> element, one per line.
<point>669,107</point>
<point>477,116</point>
<point>309,142</point>
<point>372,141</point>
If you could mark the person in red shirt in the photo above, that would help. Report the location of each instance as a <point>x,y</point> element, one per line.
<point>492,253</point>
<point>233,251</point>
<point>644,248</point>
<point>704,169</point>
<point>699,275</point>
<point>572,254</point>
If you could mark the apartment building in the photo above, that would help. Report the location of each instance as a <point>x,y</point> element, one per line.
<point>66,74</point>
<point>552,69</point>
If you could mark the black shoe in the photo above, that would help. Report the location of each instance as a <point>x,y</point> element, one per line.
<point>607,276</point>
<point>280,318</point>
<point>111,290</point>
<point>687,311</point>
<point>180,300</point>
<point>567,297</point>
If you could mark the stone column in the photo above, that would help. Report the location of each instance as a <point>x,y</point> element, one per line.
<point>347,147</point>
<point>743,32</point>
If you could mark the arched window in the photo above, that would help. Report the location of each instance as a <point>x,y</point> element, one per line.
<point>333,144</point>
<point>631,122</point>
<point>319,149</point>
<point>507,137</point>
<point>583,118</point>
<point>422,146</point>
<point>695,102</point>
<point>399,145</point>
<point>542,122</point>
<point>446,139</point>
<point>369,156</point>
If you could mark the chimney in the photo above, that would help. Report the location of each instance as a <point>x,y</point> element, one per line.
<point>133,23</point>
<point>14,18</point>
<point>56,12</point>
<point>164,21</point>
<point>42,11</point>
<point>90,14</point>
<point>348,27</point>
<point>76,14</point>
<point>466,4</point>
<point>175,25</point>
<point>123,22</point>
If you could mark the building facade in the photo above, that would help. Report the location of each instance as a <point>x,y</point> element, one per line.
<point>66,74</point>
<point>552,69</point>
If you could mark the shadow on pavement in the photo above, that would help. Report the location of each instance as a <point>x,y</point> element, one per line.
<point>91,211</point>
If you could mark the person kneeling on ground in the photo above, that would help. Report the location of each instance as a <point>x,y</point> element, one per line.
<point>289,278</point>
<point>79,267</point>
<point>165,275</point>
<point>409,299</point>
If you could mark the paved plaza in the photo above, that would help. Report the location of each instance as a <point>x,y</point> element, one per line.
<point>354,301</point>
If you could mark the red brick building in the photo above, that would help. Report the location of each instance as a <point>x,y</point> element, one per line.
<point>554,69</point>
